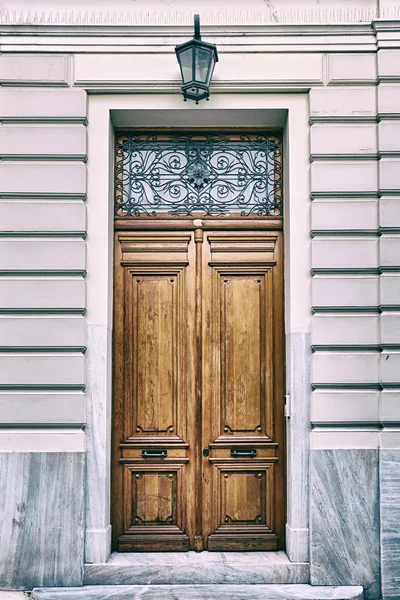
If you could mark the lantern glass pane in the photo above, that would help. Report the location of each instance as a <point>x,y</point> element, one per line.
<point>203,60</point>
<point>212,65</point>
<point>185,60</point>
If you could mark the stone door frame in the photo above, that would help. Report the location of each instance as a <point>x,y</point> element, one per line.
<point>157,110</point>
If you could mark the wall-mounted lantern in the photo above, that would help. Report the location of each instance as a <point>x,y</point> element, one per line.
<point>197,61</point>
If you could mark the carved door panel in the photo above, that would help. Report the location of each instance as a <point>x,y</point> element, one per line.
<point>198,456</point>
<point>152,490</point>
<point>243,492</point>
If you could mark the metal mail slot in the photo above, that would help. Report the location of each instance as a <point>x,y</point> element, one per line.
<point>244,453</point>
<point>154,453</point>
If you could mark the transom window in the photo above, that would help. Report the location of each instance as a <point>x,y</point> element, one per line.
<point>209,174</point>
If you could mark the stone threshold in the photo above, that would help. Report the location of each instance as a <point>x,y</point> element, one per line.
<point>201,592</point>
<point>181,568</point>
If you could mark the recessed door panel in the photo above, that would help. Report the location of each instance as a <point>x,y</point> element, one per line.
<point>242,354</point>
<point>155,367</point>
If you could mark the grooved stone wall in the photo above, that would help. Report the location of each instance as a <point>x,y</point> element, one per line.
<point>350,75</point>
<point>42,324</point>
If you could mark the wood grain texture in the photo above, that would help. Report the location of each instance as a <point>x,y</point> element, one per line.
<point>152,347</point>
<point>198,371</point>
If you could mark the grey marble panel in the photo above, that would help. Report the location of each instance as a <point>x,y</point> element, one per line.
<point>390,523</point>
<point>197,568</point>
<point>345,519</point>
<point>41,524</point>
<point>298,445</point>
<point>201,592</point>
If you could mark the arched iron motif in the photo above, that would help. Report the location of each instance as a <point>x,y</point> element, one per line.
<point>213,174</point>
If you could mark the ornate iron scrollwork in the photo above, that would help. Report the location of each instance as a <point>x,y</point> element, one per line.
<point>213,174</point>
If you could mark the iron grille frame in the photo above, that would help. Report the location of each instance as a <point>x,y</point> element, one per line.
<point>198,169</point>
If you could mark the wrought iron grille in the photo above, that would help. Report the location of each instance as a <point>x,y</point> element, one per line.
<point>212,174</point>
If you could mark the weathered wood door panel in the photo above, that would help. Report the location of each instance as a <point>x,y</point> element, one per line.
<point>198,448</point>
<point>242,390</point>
<point>153,347</point>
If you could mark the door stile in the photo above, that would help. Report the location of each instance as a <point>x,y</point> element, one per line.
<point>117,486</point>
<point>198,238</point>
<point>279,364</point>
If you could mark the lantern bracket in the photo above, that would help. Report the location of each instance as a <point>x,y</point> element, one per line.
<point>197,35</point>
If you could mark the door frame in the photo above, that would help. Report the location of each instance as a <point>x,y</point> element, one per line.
<point>246,110</point>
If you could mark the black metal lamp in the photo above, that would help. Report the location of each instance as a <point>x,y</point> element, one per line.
<point>197,61</point>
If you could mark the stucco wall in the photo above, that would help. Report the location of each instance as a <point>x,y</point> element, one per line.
<point>57,80</point>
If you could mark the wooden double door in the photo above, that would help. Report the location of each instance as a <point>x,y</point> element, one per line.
<point>198,426</point>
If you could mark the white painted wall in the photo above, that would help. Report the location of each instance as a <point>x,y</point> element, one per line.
<point>340,89</point>
<point>354,216</point>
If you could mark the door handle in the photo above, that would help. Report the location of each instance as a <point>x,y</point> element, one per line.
<point>154,454</point>
<point>246,452</point>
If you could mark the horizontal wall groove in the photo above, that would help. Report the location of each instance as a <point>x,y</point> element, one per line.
<point>348,309</point>
<point>43,387</point>
<point>390,230</point>
<point>351,83</point>
<point>42,311</point>
<point>28,349</point>
<point>389,192</point>
<point>316,424</point>
<point>389,269</point>
<point>388,117</point>
<point>357,386</point>
<point>340,157</point>
<point>356,271</point>
<point>346,386</point>
<point>354,347</point>
<point>388,154</point>
<point>42,273</point>
<point>343,194</point>
<point>387,79</point>
<point>41,425</point>
<point>41,196</point>
<point>346,232</point>
<point>347,347</point>
<point>45,120</point>
<point>44,157</point>
<point>352,271</point>
<point>389,307</point>
<point>344,119</point>
<point>34,84</point>
<point>46,234</point>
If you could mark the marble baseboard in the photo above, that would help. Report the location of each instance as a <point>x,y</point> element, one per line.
<point>201,592</point>
<point>190,567</point>
<point>41,523</point>
<point>390,523</point>
<point>97,545</point>
<point>345,519</point>
<point>298,544</point>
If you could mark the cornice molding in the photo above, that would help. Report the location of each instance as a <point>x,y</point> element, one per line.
<point>208,18</point>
